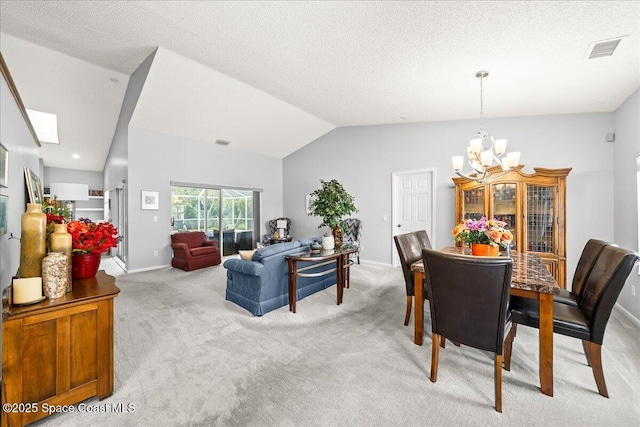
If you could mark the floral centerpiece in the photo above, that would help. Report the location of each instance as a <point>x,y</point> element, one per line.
<point>87,237</point>
<point>483,231</point>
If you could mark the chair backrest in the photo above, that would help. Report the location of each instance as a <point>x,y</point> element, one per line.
<point>468,297</point>
<point>587,259</point>
<point>423,239</point>
<point>193,239</point>
<point>273,225</point>
<point>352,230</point>
<point>603,286</point>
<point>409,251</point>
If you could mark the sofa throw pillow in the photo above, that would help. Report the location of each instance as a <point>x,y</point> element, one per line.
<point>246,255</point>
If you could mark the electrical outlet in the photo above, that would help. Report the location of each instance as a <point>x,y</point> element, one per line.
<point>155,253</point>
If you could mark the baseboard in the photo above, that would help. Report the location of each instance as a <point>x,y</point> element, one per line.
<point>157,267</point>
<point>383,264</point>
<point>628,315</point>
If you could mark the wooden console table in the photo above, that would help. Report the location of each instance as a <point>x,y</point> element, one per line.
<point>58,352</point>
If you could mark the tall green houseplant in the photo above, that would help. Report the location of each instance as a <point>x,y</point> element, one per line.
<point>331,203</point>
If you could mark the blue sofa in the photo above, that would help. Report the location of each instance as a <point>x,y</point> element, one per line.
<point>261,285</point>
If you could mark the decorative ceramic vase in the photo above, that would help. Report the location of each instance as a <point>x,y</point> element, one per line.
<point>481,249</point>
<point>60,241</point>
<point>33,241</point>
<point>337,236</point>
<point>54,275</point>
<point>84,266</point>
<point>328,242</point>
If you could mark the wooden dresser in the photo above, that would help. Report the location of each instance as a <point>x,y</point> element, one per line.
<point>58,352</point>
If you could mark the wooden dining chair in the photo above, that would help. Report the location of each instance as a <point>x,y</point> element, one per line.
<point>587,321</point>
<point>409,246</point>
<point>586,262</point>
<point>468,297</point>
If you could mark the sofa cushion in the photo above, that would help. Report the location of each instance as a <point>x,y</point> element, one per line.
<point>203,250</point>
<point>268,251</point>
<point>246,254</point>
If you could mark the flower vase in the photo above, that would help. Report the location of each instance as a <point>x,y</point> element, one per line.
<point>33,242</point>
<point>482,249</point>
<point>85,266</point>
<point>60,241</point>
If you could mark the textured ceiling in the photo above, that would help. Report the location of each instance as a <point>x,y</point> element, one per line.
<point>358,63</point>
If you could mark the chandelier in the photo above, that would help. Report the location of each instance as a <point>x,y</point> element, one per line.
<point>483,150</point>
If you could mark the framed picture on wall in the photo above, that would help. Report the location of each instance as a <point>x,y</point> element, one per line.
<point>34,186</point>
<point>309,202</point>
<point>4,166</point>
<point>149,200</point>
<point>4,200</point>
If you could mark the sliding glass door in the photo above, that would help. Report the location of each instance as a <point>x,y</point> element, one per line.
<point>227,215</point>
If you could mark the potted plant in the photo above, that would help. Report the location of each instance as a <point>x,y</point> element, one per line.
<point>484,235</point>
<point>331,203</point>
<point>89,241</point>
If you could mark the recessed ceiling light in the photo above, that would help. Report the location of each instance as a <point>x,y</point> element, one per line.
<point>113,79</point>
<point>75,156</point>
<point>45,125</point>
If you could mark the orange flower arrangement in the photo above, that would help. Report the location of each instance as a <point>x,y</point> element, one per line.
<point>487,231</point>
<point>87,237</point>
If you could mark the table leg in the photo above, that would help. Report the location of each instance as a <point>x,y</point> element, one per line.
<point>340,277</point>
<point>293,268</point>
<point>546,343</point>
<point>418,308</point>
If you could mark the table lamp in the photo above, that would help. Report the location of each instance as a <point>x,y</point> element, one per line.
<point>281,225</point>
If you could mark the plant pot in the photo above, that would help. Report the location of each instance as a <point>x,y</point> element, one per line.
<point>481,249</point>
<point>85,266</point>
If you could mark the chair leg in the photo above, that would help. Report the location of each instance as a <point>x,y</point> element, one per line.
<point>435,353</point>
<point>443,341</point>
<point>407,314</point>
<point>358,258</point>
<point>596,367</point>
<point>508,344</point>
<point>497,368</point>
<point>586,345</point>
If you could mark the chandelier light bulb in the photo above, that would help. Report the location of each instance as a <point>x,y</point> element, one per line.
<point>500,146</point>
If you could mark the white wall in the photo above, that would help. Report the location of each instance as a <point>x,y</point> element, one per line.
<point>626,146</point>
<point>363,159</point>
<point>157,159</point>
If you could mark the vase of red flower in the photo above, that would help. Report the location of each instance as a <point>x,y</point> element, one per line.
<point>89,241</point>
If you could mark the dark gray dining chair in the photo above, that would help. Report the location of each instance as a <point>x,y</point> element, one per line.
<point>590,253</point>
<point>468,297</point>
<point>587,321</point>
<point>409,246</point>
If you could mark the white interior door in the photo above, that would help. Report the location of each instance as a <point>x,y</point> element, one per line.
<point>413,204</point>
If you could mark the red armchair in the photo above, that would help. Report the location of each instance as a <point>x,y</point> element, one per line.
<point>192,251</point>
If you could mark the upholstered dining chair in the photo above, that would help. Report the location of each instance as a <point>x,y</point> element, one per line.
<point>352,233</point>
<point>409,246</point>
<point>586,262</point>
<point>468,298</point>
<point>587,321</point>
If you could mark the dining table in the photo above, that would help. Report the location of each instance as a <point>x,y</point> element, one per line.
<point>530,279</point>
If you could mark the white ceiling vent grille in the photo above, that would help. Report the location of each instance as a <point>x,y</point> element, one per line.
<point>222,142</point>
<point>604,48</point>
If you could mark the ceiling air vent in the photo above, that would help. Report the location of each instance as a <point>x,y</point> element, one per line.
<point>604,48</point>
<point>222,142</point>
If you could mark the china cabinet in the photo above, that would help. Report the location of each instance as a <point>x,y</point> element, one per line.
<point>532,205</point>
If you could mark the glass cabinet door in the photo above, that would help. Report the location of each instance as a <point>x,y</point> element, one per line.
<point>473,207</point>
<point>539,217</point>
<point>503,198</point>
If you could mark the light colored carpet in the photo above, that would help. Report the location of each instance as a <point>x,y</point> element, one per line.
<point>185,356</point>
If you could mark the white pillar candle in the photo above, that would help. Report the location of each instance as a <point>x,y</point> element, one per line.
<point>27,290</point>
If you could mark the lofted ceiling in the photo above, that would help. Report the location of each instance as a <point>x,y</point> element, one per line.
<point>310,66</point>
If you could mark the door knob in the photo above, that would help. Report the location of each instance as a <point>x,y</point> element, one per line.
<point>399,225</point>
